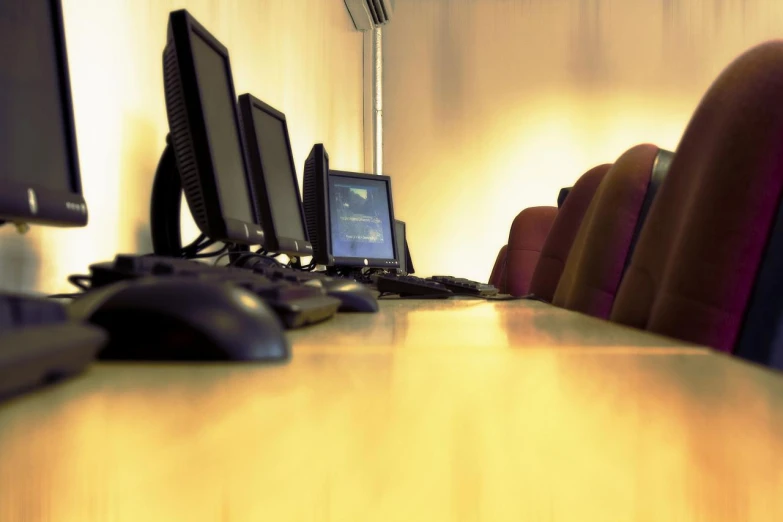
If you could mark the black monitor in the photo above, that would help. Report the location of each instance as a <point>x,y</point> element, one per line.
<point>273,177</point>
<point>399,237</point>
<point>350,216</point>
<point>403,252</point>
<point>205,134</point>
<point>361,220</point>
<point>316,172</point>
<point>39,163</point>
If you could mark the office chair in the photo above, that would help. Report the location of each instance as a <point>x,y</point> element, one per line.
<point>498,276</point>
<point>561,236</point>
<point>528,234</point>
<point>602,247</point>
<point>693,271</point>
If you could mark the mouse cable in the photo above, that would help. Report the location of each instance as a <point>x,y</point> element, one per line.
<point>77,280</point>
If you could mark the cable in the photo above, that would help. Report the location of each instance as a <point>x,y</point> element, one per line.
<point>77,280</point>
<point>220,252</point>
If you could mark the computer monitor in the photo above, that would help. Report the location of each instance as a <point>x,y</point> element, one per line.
<point>314,202</point>
<point>39,163</point>
<point>399,237</point>
<point>350,216</point>
<point>273,177</point>
<point>205,134</point>
<point>361,220</point>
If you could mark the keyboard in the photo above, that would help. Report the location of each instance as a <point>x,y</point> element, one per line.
<point>297,303</point>
<point>40,345</point>
<point>461,286</point>
<point>411,286</point>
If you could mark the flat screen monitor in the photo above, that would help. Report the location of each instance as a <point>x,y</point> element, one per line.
<point>273,177</point>
<point>39,163</point>
<point>314,202</point>
<point>361,220</point>
<point>205,135</point>
<point>399,237</point>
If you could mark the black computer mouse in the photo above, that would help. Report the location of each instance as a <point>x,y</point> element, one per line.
<point>182,319</point>
<point>353,296</point>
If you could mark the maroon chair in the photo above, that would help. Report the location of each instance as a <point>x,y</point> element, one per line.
<point>558,243</point>
<point>600,252</point>
<point>528,233</point>
<point>498,276</point>
<point>696,261</point>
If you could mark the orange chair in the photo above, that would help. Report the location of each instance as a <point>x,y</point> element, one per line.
<point>605,239</point>
<point>555,249</point>
<point>694,274</point>
<point>525,240</point>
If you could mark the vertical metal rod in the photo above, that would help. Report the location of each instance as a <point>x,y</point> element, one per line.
<point>378,101</point>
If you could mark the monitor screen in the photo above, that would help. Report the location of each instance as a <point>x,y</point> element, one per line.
<point>279,174</point>
<point>31,104</point>
<point>360,217</point>
<point>39,164</point>
<point>220,117</point>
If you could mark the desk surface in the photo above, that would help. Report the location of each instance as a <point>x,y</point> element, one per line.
<point>501,427</point>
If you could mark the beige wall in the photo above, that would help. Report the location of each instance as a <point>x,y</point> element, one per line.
<point>491,106</point>
<point>301,56</point>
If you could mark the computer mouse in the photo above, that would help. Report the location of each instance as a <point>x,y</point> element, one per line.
<point>353,296</point>
<point>182,319</point>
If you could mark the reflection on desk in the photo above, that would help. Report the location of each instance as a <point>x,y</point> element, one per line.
<point>476,433</point>
<point>473,323</point>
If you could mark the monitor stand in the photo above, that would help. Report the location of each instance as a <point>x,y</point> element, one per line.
<point>166,204</point>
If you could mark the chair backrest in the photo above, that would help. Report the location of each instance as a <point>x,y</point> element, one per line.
<point>558,243</point>
<point>599,255</point>
<point>698,255</point>
<point>498,276</point>
<point>525,240</point>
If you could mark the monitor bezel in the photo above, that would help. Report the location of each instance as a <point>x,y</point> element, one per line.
<point>273,242</point>
<point>213,223</point>
<point>361,262</point>
<point>23,203</point>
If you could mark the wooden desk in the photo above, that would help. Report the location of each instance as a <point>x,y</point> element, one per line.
<point>425,422</point>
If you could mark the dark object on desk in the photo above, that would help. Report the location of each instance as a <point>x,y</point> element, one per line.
<point>350,216</point>
<point>39,163</point>
<point>411,286</point>
<point>462,286</point>
<point>273,176</point>
<point>40,345</point>
<point>204,154</point>
<point>353,296</point>
<point>403,252</point>
<point>179,319</point>
<point>554,252</point>
<point>295,303</point>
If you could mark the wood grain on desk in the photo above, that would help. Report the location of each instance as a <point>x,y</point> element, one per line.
<point>478,433</point>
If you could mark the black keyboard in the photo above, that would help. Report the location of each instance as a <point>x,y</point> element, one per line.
<point>39,344</point>
<point>296,303</point>
<point>461,286</point>
<point>411,286</point>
